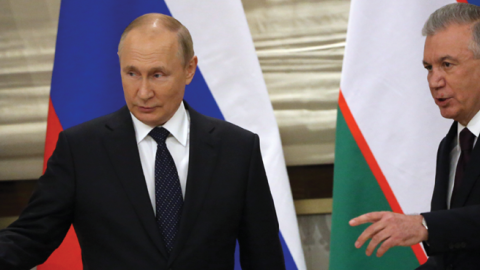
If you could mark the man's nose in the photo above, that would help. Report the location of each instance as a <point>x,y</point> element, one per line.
<point>145,92</point>
<point>436,79</point>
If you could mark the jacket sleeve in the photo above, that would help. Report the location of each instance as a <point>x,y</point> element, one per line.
<point>453,230</point>
<point>45,221</point>
<point>259,241</point>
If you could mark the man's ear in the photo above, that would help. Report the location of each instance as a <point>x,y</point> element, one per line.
<point>190,69</point>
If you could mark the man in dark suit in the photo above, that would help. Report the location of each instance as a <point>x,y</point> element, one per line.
<point>451,231</point>
<point>155,185</point>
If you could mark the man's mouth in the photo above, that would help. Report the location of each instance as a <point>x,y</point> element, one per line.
<point>442,101</point>
<point>145,108</point>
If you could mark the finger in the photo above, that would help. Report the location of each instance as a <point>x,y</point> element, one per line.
<point>368,233</point>
<point>367,218</point>
<point>387,244</point>
<point>376,239</point>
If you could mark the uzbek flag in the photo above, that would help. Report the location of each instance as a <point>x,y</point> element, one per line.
<point>388,128</point>
<point>228,85</point>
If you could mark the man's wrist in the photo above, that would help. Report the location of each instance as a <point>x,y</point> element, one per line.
<point>424,224</point>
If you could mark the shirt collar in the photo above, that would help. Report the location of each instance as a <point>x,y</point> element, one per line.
<point>178,126</point>
<point>473,125</point>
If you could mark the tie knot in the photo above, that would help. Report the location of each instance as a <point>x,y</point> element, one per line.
<point>466,140</point>
<point>159,134</point>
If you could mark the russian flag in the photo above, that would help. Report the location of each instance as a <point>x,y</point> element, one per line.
<point>228,85</point>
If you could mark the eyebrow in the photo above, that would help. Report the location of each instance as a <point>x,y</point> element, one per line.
<point>443,58</point>
<point>155,69</point>
<point>447,57</point>
<point>152,70</point>
<point>129,68</point>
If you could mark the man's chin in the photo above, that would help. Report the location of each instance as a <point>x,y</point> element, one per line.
<point>149,122</point>
<point>449,114</point>
<point>150,119</point>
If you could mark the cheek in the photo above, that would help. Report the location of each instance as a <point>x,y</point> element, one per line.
<point>168,89</point>
<point>462,94</point>
<point>129,94</point>
<point>127,91</point>
<point>129,86</point>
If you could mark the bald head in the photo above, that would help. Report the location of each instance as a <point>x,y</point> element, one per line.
<point>155,23</point>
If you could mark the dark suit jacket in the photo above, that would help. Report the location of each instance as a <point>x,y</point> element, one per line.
<point>94,180</point>
<point>454,235</point>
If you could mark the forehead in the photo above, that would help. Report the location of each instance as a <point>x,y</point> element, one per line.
<point>150,41</point>
<point>453,40</point>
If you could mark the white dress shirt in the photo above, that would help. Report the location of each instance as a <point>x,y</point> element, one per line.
<point>474,127</point>
<point>178,144</point>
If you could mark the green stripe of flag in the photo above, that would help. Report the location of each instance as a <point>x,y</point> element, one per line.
<point>355,192</point>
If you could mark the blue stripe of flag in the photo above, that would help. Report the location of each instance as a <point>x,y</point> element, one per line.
<point>474,2</point>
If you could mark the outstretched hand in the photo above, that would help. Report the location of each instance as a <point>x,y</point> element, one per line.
<point>390,228</point>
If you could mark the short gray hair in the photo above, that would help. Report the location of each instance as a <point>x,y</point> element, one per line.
<point>457,13</point>
<point>170,23</point>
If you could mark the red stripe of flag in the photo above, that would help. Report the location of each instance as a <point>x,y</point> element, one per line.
<point>53,129</point>
<point>375,168</point>
<point>68,255</point>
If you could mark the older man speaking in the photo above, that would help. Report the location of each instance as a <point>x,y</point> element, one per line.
<point>155,185</point>
<point>451,230</point>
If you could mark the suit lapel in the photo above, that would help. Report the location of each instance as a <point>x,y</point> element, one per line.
<point>202,160</point>
<point>440,193</point>
<point>122,148</point>
<point>472,172</point>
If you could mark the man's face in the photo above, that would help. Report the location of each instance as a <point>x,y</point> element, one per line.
<point>153,74</point>
<point>453,73</point>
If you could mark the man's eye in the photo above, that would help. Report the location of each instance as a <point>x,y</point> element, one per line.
<point>157,75</point>
<point>131,74</point>
<point>447,64</point>
<point>428,67</point>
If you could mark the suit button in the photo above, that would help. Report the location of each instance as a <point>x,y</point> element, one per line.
<point>458,245</point>
<point>451,246</point>
<point>463,245</point>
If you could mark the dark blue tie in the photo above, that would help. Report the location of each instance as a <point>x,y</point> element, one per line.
<point>168,193</point>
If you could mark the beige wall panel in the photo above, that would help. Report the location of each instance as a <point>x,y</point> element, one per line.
<point>21,168</point>
<point>28,32</point>
<point>300,45</point>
